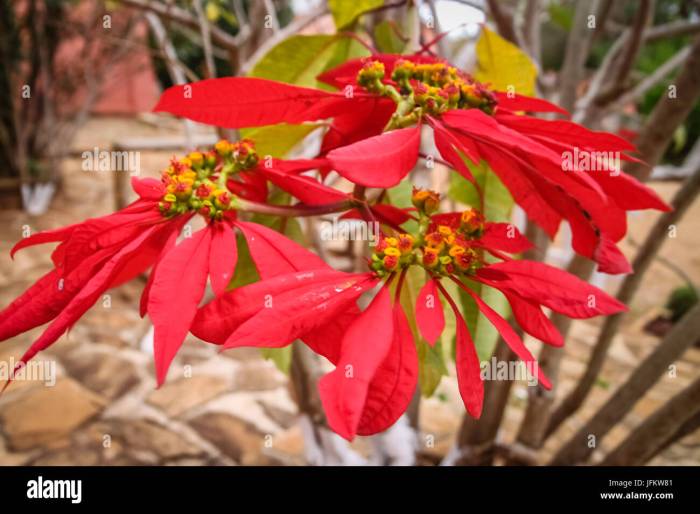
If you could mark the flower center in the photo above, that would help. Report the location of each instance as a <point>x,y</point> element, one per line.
<point>425,89</point>
<point>198,182</point>
<point>443,244</point>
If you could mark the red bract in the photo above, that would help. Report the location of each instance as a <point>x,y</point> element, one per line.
<point>376,363</point>
<point>374,139</point>
<point>101,253</point>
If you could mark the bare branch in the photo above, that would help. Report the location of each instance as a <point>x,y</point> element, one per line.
<point>531,29</point>
<point>670,30</point>
<point>171,60</point>
<point>503,20</point>
<point>643,260</point>
<point>577,48</point>
<point>655,78</point>
<point>682,336</point>
<point>628,58</point>
<point>181,16</point>
<point>646,440</point>
<point>670,112</point>
<point>292,28</point>
<point>205,31</point>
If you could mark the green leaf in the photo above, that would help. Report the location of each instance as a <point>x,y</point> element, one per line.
<point>386,38</point>
<point>296,60</point>
<point>504,65</point>
<point>561,15</point>
<point>431,363</point>
<point>278,140</point>
<point>401,197</point>
<point>282,357</point>
<point>498,204</point>
<point>245,268</point>
<point>498,201</point>
<point>300,59</point>
<point>345,12</point>
<point>346,48</point>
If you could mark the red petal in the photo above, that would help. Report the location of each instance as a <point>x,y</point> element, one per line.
<point>504,237</point>
<point>567,131</point>
<point>222,257</point>
<point>47,236</point>
<point>167,246</point>
<point>471,386</point>
<point>325,340</point>
<point>307,189</point>
<point>555,288</point>
<point>294,165</point>
<point>610,259</point>
<point>344,390</point>
<point>532,320</point>
<point>384,213</point>
<point>509,335</point>
<point>289,315</point>
<point>236,102</point>
<point>178,287</point>
<point>148,188</point>
<point>446,144</point>
<point>366,119</point>
<point>87,295</point>
<point>394,382</point>
<point>429,314</point>
<point>249,184</point>
<point>629,193</point>
<point>523,190</point>
<point>274,254</point>
<point>515,102</point>
<point>218,319</point>
<point>379,161</point>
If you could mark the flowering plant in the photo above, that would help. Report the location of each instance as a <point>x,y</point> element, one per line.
<point>379,111</point>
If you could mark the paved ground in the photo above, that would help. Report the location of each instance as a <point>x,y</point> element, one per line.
<point>235,408</point>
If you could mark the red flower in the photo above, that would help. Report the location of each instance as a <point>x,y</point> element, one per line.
<point>376,363</point>
<point>401,93</point>
<point>104,252</point>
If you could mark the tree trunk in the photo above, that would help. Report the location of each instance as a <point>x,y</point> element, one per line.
<point>643,443</point>
<point>645,256</point>
<point>683,335</point>
<point>533,428</point>
<point>322,447</point>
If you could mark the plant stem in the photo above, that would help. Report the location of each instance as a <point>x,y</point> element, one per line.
<point>294,210</point>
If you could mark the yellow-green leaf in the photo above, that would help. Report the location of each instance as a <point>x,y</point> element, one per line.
<point>297,60</point>
<point>345,12</point>
<point>504,65</point>
<point>278,140</point>
<point>388,41</point>
<point>498,204</point>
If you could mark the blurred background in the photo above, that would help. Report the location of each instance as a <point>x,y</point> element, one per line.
<point>78,80</point>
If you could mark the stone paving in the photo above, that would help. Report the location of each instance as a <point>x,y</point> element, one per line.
<point>235,408</point>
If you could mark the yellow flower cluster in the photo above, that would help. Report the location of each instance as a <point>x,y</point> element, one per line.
<point>435,87</point>
<point>197,182</point>
<point>446,251</point>
<point>444,245</point>
<point>393,253</point>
